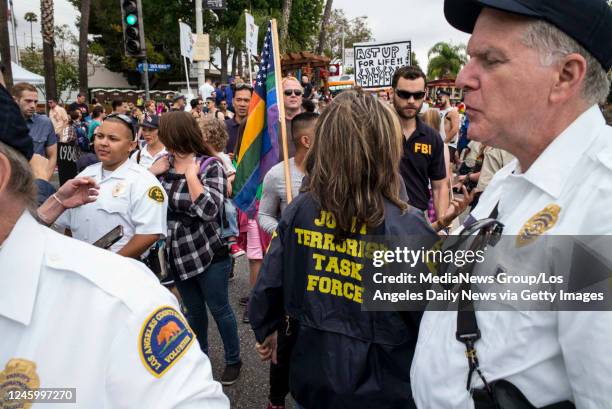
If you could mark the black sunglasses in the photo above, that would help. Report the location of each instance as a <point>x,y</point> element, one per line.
<point>125,119</point>
<point>296,92</point>
<point>407,94</point>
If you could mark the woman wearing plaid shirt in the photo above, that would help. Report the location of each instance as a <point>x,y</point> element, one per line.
<point>197,255</point>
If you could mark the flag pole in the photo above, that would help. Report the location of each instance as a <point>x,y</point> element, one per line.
<point>187,76</point>
<point>281,109</point>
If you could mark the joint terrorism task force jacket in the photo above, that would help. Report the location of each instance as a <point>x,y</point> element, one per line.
<point>344,357</point>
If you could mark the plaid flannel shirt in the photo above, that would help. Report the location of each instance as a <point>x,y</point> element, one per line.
<point>190,247</point>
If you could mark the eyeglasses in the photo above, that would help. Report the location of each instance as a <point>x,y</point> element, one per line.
<point>296,92</point>
<point>125,119</point>
<point>407,94</point>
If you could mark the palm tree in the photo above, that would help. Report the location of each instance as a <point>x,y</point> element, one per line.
<point>47,30</point>
<point>5,49</point>
<point>285,27</point>
<point>31,17</point>
<point>447,60</point>
<point>324,23</point>
<point>83,31</point>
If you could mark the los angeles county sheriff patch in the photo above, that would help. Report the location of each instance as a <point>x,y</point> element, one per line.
<point>538,224</point>
<point>164,338</point>
<point>156,194</point>
<point>18,376</point>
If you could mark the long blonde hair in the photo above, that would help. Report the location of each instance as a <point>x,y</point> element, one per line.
<point>432,118</point>
<point>353,163</point>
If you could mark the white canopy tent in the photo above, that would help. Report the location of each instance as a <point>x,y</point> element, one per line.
<point>20,74</point>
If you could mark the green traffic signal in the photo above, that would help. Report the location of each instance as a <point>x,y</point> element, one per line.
<point>131,19</point>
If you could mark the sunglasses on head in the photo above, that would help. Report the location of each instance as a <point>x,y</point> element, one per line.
<point>125,119</point>
<point>296,92</point>
<point>407,94</point>
<point>243,85</point>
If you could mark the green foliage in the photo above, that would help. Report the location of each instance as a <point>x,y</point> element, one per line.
<point>66,70</point>
<point>445,60</point>
<point>30,17</point>
<point>304,24</point>
<point>226,29</point>
<point>355,31</point>
<point>414,61</point>
<point>32,60</point>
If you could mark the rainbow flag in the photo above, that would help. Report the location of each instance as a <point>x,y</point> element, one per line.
<point>259,148</point>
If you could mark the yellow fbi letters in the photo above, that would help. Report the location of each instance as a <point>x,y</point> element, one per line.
<point>336,272</point>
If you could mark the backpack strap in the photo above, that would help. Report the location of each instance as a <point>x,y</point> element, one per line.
<point>207,161</point>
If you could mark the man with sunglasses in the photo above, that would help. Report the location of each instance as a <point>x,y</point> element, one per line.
<point>292,97</point>
<point>422,163</point>
<point>130,195</point>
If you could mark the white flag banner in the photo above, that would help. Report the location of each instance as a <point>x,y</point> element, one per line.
<point>252,33</point>
<point>349,58</point>
<point>186,41</point>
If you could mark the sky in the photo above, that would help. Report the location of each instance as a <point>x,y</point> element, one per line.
<point>421,21</point>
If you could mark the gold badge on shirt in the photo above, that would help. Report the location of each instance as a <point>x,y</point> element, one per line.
<point>18,376</point>
<point>156,194</point>
<point>538,224</point>
<point>119,189</point>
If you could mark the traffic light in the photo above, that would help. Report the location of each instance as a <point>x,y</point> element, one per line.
<point>133,28</point>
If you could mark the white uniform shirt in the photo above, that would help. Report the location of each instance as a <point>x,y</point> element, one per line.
<point>146,159</point>
<point>550,356</point>
<point>131,196</point>
<point>74,316</point>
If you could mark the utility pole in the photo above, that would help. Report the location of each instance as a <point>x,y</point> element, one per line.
<point>199,32</point>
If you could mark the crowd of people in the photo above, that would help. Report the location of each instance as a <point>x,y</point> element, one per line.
<point>153,185</point>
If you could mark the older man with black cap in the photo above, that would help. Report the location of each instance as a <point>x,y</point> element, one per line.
<point>74,316</point>
<point>536,74</point>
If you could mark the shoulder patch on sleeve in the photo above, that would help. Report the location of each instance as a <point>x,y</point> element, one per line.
<point>164,338</point>
<point>156,194</point>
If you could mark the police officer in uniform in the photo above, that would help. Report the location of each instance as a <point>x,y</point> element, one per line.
<point>343,357</point>
<point>74,316</point>
<point>130,195</point>
<point>536,74</point>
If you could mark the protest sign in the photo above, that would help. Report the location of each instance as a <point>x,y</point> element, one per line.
<point>375,64</point>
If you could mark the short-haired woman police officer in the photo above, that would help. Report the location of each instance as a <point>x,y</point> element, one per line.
<point>130,196</point>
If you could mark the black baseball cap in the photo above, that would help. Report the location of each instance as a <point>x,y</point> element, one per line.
<point>13,129</point>
<point>589,22</point>
<point>150,121</point>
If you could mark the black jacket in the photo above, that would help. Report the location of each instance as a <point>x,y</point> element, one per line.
<point>344,357</point>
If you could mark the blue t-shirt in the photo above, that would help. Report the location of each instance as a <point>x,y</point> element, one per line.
<point>42,133</point>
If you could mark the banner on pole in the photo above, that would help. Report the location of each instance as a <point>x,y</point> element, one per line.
<point>349,58</point>
<point>252,33</point>
<point>202,47</point>
<point>215,4</point>
<point>375,64</point>
<point>186,41</point>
